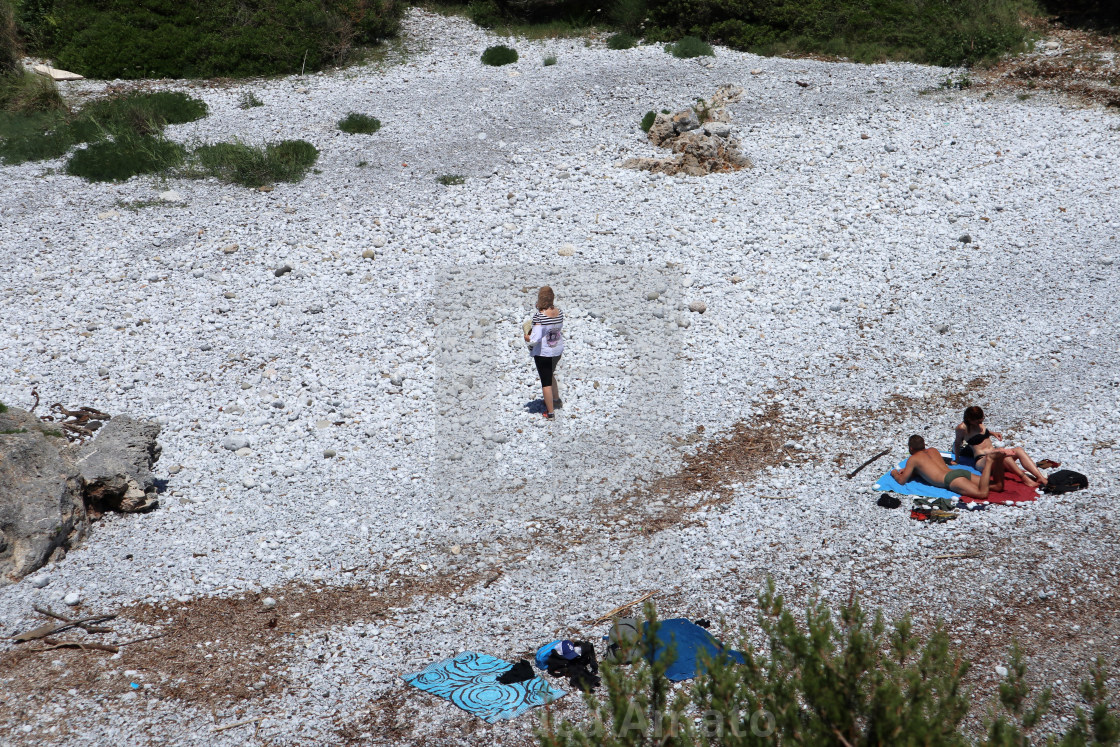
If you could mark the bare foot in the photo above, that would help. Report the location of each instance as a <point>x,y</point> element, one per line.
<point>1029,481</point>
<point>996,487</point>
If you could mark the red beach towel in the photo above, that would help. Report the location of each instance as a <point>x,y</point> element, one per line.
<point>1014,491</point>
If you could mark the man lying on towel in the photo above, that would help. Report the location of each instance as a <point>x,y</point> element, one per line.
<point>930,465</point>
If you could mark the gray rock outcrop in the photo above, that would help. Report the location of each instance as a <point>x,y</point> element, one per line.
<point>50,489</point>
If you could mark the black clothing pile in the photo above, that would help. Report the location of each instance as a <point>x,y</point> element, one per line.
<point>582,671</point>
<point>522,671</point>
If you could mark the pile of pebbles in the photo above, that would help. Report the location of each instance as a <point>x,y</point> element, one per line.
<point>338,371</point>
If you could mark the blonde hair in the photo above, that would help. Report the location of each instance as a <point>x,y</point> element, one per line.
<point>545,298</point>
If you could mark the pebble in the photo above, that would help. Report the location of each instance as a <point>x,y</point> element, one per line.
<point>698,307</point>
<point>235,441</point>
<point>72,599</point>
<point>40,582</point>
<point>282,270</point>
<point>171,196</point>
<point>268,603</point>
<point>567,250</point>
<point>329,453</point>
<point>230,249</point>
<point>368,254</point>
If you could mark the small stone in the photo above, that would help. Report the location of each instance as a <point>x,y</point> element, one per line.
<point>652,296</point>
<point>235,441</point>
<point>322,424</point>
<point>170,196</point>
<point>230,249</point>
<point>379,241</point>
<point>174,469</point>
<point>229,294</point>
<point>268,603</point>
<point>756,71</point>
<point>102,372</point>
<point>698,307</point>
<point>368,254</point>
<point>246,385</point>
<point>835,306</point>
<point>108,214</point>
<point>735,280</point>
<point>278,404</point>
<point>890,148</point>
<point>864,136</point>
<point>329,453</point>
<point>1001,671</point>
<point>455,549</point>
<point>964,238</point>
<point>315,308</point>
<point>72,599</point>
<point>396,379</point>
<point>243,452</point>
<point>248,482</point>
<point>40,582</point>
<point>1107,261</point>
<point>282,270</point>
<point>941,328</point>
<point>566,251</point>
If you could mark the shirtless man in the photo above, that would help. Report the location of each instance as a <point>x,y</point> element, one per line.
<point>929,464</point>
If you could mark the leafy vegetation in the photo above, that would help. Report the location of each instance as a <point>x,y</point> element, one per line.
<point>125,156</point>
<point>135,120</point>
<point>550,60</point>
<point>26,93</point>
<point>647,120</point>
<point>286,161</point>
<point>3,408</point>
<point>689,47</point>
<point>834,679</point>
<point>499,54</point>
<point>621,40</point>
<point>249,100</point>
<point>204,38</point>
<point>355,123</point>
<point>9,40</point>
<point>449,180</point>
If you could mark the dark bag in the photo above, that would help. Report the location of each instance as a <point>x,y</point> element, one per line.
<point>1065,481</point>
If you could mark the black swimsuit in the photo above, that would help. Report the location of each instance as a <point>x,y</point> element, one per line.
<point>979,438</point>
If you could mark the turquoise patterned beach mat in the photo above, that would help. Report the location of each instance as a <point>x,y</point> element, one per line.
<point>469,680</point>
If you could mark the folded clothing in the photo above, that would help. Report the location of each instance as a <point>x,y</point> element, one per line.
<point>470,681</point>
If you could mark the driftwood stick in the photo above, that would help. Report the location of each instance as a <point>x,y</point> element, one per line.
<point>947,556</point>
<point>87,628</point>
<point>53,643</point>
<point>857,470</point>
<point>45,630</point>
<point>236,724</point>
<point>622,608</point>
<point>141,640</point>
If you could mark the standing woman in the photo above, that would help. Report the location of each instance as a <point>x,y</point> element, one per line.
<point>547,343</point>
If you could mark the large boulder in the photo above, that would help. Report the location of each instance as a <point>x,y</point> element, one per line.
<point>41,503</point>
<point>50,489</point>
<point>116,467</point>
<point>701,136</point>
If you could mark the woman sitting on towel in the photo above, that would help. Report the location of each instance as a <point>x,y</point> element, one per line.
<point>974,441</point>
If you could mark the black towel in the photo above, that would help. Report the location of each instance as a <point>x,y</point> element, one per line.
<point>521,672</point>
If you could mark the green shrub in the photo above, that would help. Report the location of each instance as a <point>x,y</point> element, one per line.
<point>550,60</point>
<point>485,13</point>
<point>689,47</point>
<point>499,55</point>
<point>249,100</point>
<point>942,32</point>
<point>833,679</point>
<point>621,41</point>
<point>37,24</point>
<point>3,408</point>
<point>450,180</point>
<point>647,121</point>
<point>356,123</point>
<point>207,38</point>
<point>629,16</point>
<point>124,157</point>
<point>27,93</point>
<point>286,161</point>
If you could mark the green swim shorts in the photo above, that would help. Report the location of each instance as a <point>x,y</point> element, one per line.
<point>953,474</point>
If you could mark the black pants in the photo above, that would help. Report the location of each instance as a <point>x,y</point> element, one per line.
<point>545,367</point>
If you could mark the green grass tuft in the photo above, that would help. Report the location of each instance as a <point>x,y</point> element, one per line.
<point>647,121</point>
<point>356,123</point>
<point>12,431</point>
<point>28,93</point>
<point>249,100</point>
<point>124,157</point>
<point>450,180</point>
<point>286,161</point>
<point>621,41</point>
<point>550,61</point>
<point>499,55</point>
<point>689,47</point>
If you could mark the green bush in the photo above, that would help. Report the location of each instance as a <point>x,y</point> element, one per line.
<point>355,123</point>
<point>249,100</point>
<point>485,13</point>
<point>451,180</point>
<point>286,161</point>
<point>125,157</point>
<point>941,32</point>
<point>689,47</point>
<point>845,679</point>
<point>629,16</point>
<point>499,55</point>
<point>550,60</point>
<point>647,121</point>
<point>3,408</point>
<point>27,93</point>
<point>206,38</point>
<point>621,41</point>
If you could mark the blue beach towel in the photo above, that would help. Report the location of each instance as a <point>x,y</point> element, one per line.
<point>541,657</point>
<point>469,680</point>
<point>690,641</point>
<point>918,486</point>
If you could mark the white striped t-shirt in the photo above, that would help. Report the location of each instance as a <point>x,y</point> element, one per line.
<point>547,339</point>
